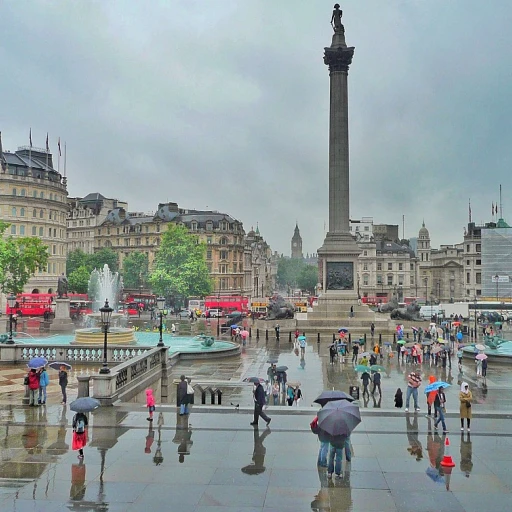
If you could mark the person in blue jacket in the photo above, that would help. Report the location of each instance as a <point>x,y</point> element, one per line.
<point>44,380</point>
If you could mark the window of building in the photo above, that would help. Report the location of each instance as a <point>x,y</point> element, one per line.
<point>208,240</point>
<point>209,267</point>
<point>54,249</point>
<point>467,247</point>
<point>365,253</point>
<point>411,266</point>
<point>223,269</point>
<point>400,280</point>
<point>223,241</point>
<point>412,278</point>
<point>14,212</point>
<point>41,214</point>
<point>40,231</point>
<point>137,241</point>
<point>468,262</point>
<point>478,278</point>
<point>34,193</point>
<point>13,229</point>
<point>235,269</point>
<point>379,279</point>
<point>468,278</point>
<point>390,266</point>
<point>478,247</point>
<point>13,191</point>
<point>55,232</point>
<point>208,255</point>
<point>193,226</point>
<point>478,262</point>
<point>127,242</point>
<point>400,266</point>
<point>41,195</point>
<point>22,212</point>
<point>223,255</point>
<point>23,192</point>
<point>158,228</point>
<point>365,279</point>
<point>479,292</point>
<point>22,230</point>
<point>209,226</point>
<point>365,266</point>
<point>379,266</point>
<point>390,279</point>
<point>34,231</point>
<point>367,228</point>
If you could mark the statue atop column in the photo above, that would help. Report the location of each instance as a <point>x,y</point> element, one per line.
<point>336,19</point>
<point>62,286</point>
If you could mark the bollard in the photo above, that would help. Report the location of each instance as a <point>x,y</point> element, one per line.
<point>290,337</point>
<point>394,337</point>
<point>365,338</point>
<point>380,338</point>
<point>250,332</point>
<point>333,337</point>
<point>257,334</point>
<point>303,333</point>
<point>349,337</point>
<point>266,334</point>
<point>318,337</point>
<point>407,335</point>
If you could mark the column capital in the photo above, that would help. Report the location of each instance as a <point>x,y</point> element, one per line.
<point>338,59</point>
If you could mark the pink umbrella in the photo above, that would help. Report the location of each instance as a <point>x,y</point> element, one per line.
<point>244,333</point>
<point>481,357</point>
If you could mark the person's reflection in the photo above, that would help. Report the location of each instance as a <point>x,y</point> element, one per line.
<point>258,455</point>
<point>466,454</point>
<point>77,490</point>
<point>183,437</point>
<point>30,434</point>
<point>60,446</point>
<point>415,448</point>
<point>150,438</point>
<point>366,400</point>
<point>302,363</point>
<point>376,403</point>
<point>322,501</point>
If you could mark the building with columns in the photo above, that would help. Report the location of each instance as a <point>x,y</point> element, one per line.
<point>260,266</point>
<point>34,203</point>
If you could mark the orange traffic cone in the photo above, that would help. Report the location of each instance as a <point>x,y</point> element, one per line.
<point>447,461</point>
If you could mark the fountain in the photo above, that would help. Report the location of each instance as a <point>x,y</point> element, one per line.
<point>103,284</point>
<point>497,349</point>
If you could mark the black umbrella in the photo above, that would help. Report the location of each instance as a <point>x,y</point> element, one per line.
<point>332,396</point>
<point>55,365</point>
<point>339,418</point>
<point>281,369</point>
<point>84,404</point>
<point>272,360</point>
<point>253,379</point>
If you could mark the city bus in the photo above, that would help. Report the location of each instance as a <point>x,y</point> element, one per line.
<point>227,303</point>
<point>37,304</point>
<point>259,307</point>
<point>147,300</point>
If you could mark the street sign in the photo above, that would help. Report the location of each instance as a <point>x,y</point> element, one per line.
<point>500,279</point>
<point>354,392</point>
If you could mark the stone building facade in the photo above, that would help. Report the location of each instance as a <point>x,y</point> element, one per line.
<point>34,203</point>
<point>260,266</point>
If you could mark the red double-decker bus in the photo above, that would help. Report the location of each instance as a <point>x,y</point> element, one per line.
<point>227,303</point>
<point>146,300</point>
<point>37,304</point>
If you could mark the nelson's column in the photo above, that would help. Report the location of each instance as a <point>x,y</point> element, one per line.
<point>337,258</point>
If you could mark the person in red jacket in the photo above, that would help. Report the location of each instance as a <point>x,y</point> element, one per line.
<point>33,386</point>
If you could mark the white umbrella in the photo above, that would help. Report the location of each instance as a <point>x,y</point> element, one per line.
<point>480,347</point>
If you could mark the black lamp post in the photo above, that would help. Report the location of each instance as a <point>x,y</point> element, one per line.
<point>160,302</point>
<point>218,314</point>
<point>106,313</point>
<point>11,301</point>
<point>497,279</point>
<point>476,335</point>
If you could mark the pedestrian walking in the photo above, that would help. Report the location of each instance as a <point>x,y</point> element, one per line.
<point>79,439</point>
<point>459,357</point>
<point>298,395</point>
<point>44,380</point>
<point>338,444</point>
<point>351,311</point>
<point>277,329</point>
<point>365,377</point>
<point>413,383</point>
<point>430,398</point>
<point>439,407</point>
<point>173,328</point>
<point>324,439</point>
<point>183,399</point>
<point>259,402</point>
<point>478,367</point>
<point>332,352</point>
<point>372,329</point>
<point>355,352</point>
<point>465,398</point>
<point>275,391</point>
<point>302,342</point>
<point>484,368</point>
<point>33,386</point>
<point>399,399</point>
<point>63,383</point>
<point>376,383</point>
<point>290,396</point>
<point>150,403</point>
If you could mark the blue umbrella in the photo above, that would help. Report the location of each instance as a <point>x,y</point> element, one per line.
<point>37,362</point>
<point>434,474</point>
<point>435,386</point>
<point>300,338</point>
<point>388,343</point>
<point>234,326</point>
<point>343,329</point>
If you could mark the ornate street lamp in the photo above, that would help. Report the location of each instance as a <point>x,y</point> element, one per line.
<point>11,301</point>
<point>160,303</point>
<point>106,313</point>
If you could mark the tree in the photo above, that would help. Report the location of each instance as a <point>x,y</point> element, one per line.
<point>75,260</point>
<point>308,278</point>
<point>20,258</point>
<point>288,271</point>
<point>79,279</point>
<point>180,265</point>
<point>105,255</point>
<point>135,270</point>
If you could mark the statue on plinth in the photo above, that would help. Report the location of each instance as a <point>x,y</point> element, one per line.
<point>336,19</point>
<point>62,286</point>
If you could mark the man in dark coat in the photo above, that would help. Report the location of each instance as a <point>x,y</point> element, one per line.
<point>259,402</point>
<point>183,396</point>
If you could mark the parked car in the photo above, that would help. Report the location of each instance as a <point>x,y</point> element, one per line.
<point>216,313</point>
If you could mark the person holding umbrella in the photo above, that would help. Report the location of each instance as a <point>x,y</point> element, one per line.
<point>63,383</point>
<point>439,405</point>
<point>33,386</point>
<point>79,439</point>
<point>259,403</point>
<point>465,398</point>
<point>365,377</point>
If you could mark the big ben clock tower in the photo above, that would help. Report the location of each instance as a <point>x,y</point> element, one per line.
<point>297,244</point>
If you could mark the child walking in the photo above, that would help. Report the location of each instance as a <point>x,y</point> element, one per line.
<point>150,403</point>
<point>79,439</point>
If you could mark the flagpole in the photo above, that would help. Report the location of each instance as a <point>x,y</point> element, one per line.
<point>501,206</point>
<point>30,151</point>
<point>58,159</point>
<point>65,157</point>
<point>46,152</point>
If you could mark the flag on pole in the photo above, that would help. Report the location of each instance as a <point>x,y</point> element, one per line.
<point>470,210</point>
<point>493,209</point>
<point>30,137</point>
<point>60,152</point>
<point>47,146</point>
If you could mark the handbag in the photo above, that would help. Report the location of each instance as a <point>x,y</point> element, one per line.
<point>25,381</point>
<point>190,390</point>
<point>468,404</point>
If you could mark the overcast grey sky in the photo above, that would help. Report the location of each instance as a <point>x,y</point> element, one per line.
<point>223,104</point>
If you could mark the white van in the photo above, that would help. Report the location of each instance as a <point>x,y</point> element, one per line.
<point>427,312</point>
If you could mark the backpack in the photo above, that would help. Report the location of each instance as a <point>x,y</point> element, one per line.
<point>80,426</point>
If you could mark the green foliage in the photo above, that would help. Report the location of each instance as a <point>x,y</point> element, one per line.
<point>180,266</point>
<point>79,279</point>
<point>75,260</point>
<point>288,271</point>
<point>308,278</point>
<point>105,255</point>
<point>135,270</point>
<point>20,258</point>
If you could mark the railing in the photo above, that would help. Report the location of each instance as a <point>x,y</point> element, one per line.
<point>130,377</point>
<point>83,354</point>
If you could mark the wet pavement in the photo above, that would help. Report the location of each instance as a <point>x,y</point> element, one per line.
<point>215,461</point>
